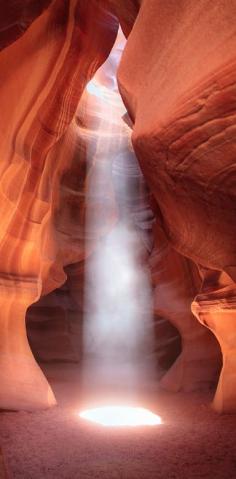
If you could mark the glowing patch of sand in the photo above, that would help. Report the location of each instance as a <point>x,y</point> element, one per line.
<point>121,416</point>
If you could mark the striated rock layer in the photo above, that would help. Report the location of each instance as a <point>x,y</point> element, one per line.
<point>177,79</point>
<point>176,280</point>
<point>180,91</point>
<point>16,18</point>
<point>115,193</point>
<point>42,77</point>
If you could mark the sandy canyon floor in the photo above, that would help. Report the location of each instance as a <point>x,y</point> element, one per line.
<point>192,442</point>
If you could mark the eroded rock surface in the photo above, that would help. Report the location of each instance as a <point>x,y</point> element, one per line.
<point>42,77</point>
<point>177,80</point>
<point>180,92</point>
<point>16,18</point>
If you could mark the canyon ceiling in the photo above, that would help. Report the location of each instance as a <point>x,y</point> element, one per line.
<point>177,79</point>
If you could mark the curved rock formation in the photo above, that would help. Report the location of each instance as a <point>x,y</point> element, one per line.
<point>215,307</point>
<point>126,11</point>
<point>113,190</point>
<point>43,75</point>
<point>177,79</point>
<point>16,18</point>
<point>177,281</point>
<point>180,92</point>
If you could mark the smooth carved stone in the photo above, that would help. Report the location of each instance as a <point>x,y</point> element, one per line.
<point>215,307</point>
<point>16,18</point>
<point>181,95</point>
<point>126,11</point>
<point>176,281</point>
<point>180,92</point>
<point>42,77</point>
<point>182,98</point>
<point>23,385</point>
<point>56,322</point>
<point>85,190</point>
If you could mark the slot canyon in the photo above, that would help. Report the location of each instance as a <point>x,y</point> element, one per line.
<point>118,239</point>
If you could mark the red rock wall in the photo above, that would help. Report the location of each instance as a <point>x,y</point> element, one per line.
<point>56,323</point>
<point>42,77</point>
<point>16,18</point>
<point>177,79</point>
<point>177,281</point>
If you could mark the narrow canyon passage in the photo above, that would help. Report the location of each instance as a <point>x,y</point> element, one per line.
<point>117,239</point>
<point>118,326</point>
<point>104,317</point>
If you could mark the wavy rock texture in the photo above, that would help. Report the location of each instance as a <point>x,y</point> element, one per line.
<point>180,92</point>
<point>113,192</point>
<point>177,281</point>
<point>42,77</point>
<point>177,80</point>
<point>126,11</point>
<point>16,18</point>
<point>56,324</point>
<point>215,306</point>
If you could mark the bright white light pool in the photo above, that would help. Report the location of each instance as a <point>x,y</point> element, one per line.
<point>121,416</point>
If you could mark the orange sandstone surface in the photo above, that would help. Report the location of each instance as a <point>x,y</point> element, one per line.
<point>177,79</point>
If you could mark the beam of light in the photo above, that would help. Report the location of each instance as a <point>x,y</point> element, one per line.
<point>117,328</point>
<point>121,416</point>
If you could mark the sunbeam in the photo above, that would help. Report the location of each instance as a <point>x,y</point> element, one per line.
<point>117,333</point>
